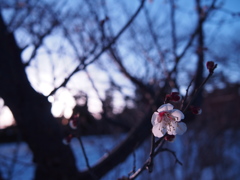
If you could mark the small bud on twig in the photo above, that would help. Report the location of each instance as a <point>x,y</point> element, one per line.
<point>195,110</point>
<point>211,66</point>
<point>174,96</point>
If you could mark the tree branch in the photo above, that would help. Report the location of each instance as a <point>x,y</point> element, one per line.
<point>173,24</point>
<point>86,159</point>
<point>83,65</point>
<point>149,161</point>
<point>198,89</point>
<point>194,34</point>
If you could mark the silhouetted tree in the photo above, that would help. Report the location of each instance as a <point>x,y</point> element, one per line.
<point>147,50</point>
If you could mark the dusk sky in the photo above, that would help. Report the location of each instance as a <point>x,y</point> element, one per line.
<point>48,71</point>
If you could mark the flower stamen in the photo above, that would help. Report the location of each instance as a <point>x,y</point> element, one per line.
<point>167,120</point>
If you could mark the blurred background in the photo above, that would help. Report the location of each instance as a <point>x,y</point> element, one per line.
<point>111,63</point>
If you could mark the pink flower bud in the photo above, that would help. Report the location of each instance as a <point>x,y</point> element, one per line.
<point>196,110</point>
<point>175,96</point>
<point>169,138</point>
<point>210,66</point>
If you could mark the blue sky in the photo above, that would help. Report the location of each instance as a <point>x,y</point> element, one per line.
<point>49,70</point>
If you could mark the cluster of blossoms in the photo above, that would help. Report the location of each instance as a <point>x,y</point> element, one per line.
<point>167,121</point>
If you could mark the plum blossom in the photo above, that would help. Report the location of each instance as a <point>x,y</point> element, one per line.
<point>167,120</point>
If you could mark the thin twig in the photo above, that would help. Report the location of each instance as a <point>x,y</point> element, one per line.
<point>134,161</point>
<point>118,35</point>
<point>84,152</point>
<point>173,26</point>
<point>159,141</point>
<point>134,164</point>
<point>38,44</point>
<point>154,37</point>
<point>172,152</point>
<point>133,79</point>
<point>186,95</point>
<point>86,158</point>
<point>194,34</point>
<point>199,88</point>
<point>83,65</point>
<point>150,164</point>
<point>145,166</point>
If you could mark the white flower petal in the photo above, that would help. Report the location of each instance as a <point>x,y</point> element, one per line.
<point>181,128</point>
<point>171,128</point>
<point>154,118</point>
<point>158,130</point>
<point>165,107</point>
<point>178,114</point>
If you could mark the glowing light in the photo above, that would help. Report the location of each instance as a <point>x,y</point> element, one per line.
<point>57,109</point>
<point>64,121</point>
<point>6,117</point>
<point>67,112</point>
<point>51,99</point>
<point>62,103</point>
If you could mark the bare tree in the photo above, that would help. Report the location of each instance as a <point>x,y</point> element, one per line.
<point>147,51</point>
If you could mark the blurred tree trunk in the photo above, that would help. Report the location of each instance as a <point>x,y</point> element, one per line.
<point>200,53</point>
<point>32,112</point>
